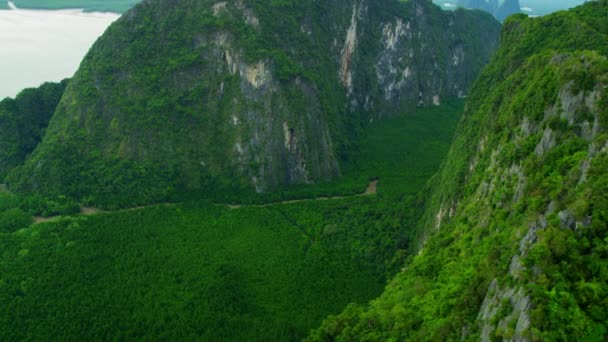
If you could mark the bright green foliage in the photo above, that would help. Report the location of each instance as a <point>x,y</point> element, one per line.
<point>13,219</point>
<point>23,121</point>
<point>46,207</point>
<point>405,151</point>
<point>203,271</point>
<point>38,205</point>
<point>182,272</point>
<point>517,212</point>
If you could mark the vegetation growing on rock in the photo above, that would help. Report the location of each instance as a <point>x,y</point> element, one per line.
<point>246,96</point>
<point>514,236</point>
<point>23,121</point>
<point>204,104</point>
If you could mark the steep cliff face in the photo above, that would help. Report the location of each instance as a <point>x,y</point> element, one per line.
<point>513,244</point>
<point>246,94</point>
<point>419,55</point>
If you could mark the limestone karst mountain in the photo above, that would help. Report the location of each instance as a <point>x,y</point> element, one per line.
<point>507,241</point>
<point>513,243</point>
<point>200,95</point>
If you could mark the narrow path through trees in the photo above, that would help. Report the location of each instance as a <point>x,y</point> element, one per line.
<point>372,189</point>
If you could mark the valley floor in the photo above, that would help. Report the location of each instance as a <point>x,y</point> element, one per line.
<point>196,270</point>
<point>88,211</point>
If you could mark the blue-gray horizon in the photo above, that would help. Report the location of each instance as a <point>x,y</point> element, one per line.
<point>45,45</point>
<point>530,7</point>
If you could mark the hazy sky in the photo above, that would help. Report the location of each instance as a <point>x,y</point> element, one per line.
<point>532,7</point>
<point>546,6</point>
<point>553,3</point>
<point>40,46</point>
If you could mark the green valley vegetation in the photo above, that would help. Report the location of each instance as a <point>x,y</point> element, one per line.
<point>181,272</point>
<point>249,272</point>
<point>198,270</point>
<point>23,121</point>
<point>222,150</point>
<point>514,238</point>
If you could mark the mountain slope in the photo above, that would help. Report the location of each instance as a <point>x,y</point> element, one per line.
<point>514,236</point>
<point>198,271</point>
<point>245,95</point>
<point>23,121</point>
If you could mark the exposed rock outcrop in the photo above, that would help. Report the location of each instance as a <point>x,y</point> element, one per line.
<point>199,94</point>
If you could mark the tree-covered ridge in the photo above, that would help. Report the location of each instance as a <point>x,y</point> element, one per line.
<point>23,121</point>
<point>514,235</point>
<point>245,96</point>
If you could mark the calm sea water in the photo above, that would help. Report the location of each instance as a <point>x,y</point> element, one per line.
<point>38,46</point>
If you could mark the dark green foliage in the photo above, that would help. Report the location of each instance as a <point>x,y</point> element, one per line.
<point>8,201</point>
<point>286,69</point>
<point>403,152</point>
<point>38,205</point>
<point>143,149</point>
<point>523,178</point>
<point>13,219</point>
<point>203,271</point>
<point>23,121</point>
<point>200,98</point>
<point>47,207</point>
<point>181,272</point>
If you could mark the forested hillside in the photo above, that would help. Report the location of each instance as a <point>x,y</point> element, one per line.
<point>201,270</point>
<point>203,177</point>
<point>245,97</point>
<point>513,241</point>
<point>23,121</point>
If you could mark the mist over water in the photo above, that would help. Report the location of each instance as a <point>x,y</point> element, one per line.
<point>38,46</point>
